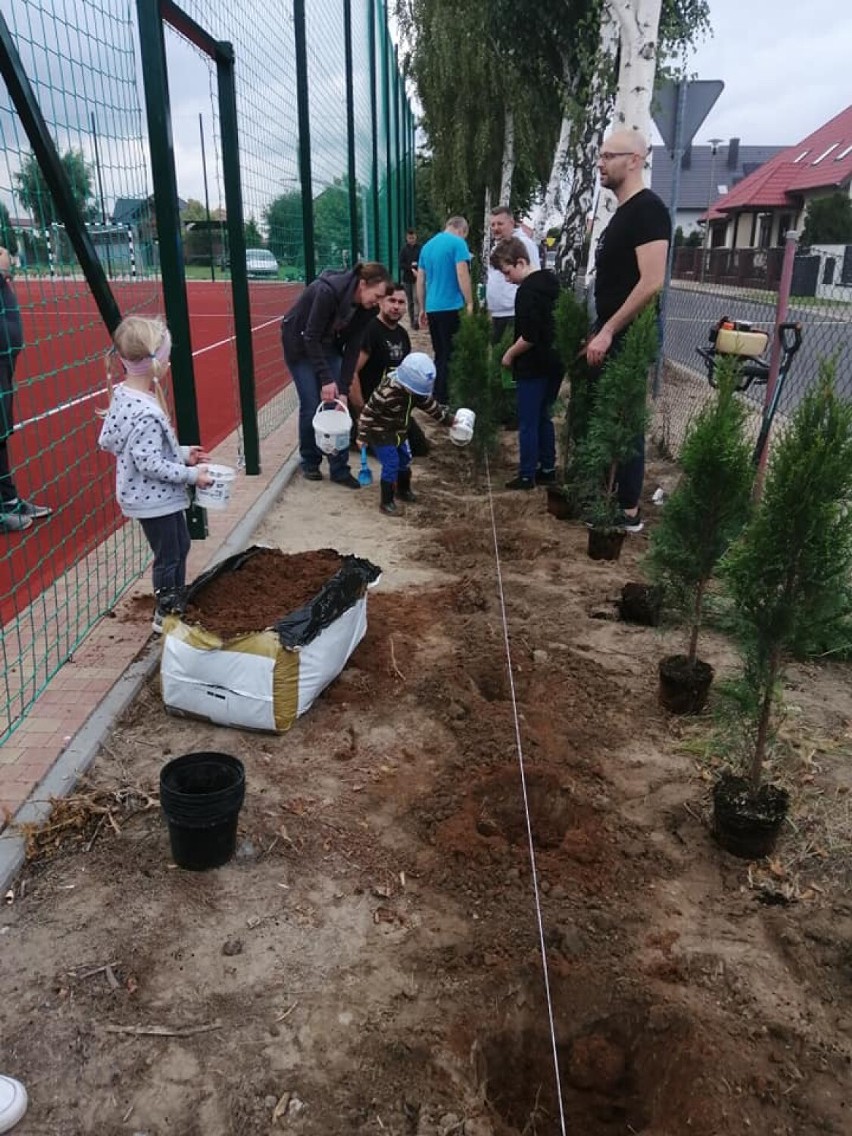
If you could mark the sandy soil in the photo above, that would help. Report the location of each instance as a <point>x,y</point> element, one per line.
<point>370,962</point>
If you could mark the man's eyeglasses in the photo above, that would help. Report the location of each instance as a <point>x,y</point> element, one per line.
<point>608,155</point>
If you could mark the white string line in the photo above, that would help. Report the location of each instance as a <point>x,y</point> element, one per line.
<point>103,390</point>
<point>520,751</point>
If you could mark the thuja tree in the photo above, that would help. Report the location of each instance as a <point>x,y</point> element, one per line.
<point>618,417</point>
<point>572,331</point>
<point>796,553</point>
<point>710,505</point>
<point>474,381</point>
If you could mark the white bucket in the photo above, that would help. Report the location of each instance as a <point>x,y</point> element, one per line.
<point>217,494</point>
<point>461,430</point>
<point>332,427</point>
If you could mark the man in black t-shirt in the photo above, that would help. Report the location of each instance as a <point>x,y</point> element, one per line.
<point>384,346</point>
<point>630,268</point>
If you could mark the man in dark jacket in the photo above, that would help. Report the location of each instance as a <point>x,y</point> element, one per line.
<point>535,363</point>
<point>322,337</point>
<point>15,514</point>
<point>409,255</point>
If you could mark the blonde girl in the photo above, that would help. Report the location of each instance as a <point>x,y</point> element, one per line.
<point>152,470</point>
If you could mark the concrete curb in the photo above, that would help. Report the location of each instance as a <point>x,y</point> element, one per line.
<point>78,756</point>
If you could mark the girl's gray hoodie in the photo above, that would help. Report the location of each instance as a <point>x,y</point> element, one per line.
<point>151,472</point>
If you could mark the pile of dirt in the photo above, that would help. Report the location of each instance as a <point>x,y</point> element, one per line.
<point>264,588</point>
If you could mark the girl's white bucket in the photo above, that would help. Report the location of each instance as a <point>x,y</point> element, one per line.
<point>332,427</point>
<point>461,430</point>
<point>217,494</point>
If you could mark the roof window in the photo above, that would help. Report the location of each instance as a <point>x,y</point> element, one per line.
<point>839,157</point>
<point>803,154</point>
<point>825,153</point>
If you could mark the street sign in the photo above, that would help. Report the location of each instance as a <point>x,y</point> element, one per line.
<point>701,94</point>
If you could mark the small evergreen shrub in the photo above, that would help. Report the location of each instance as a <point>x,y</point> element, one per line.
<point>795,556</point>
<point>618,416</point>
<point>710,505</point>
<point>473,381</point>
<point>572,331</point>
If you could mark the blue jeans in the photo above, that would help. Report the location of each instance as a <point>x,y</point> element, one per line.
<point>395,460</point>
<point>308,387</point>
<point>169,540</point>
<point>536,436</point>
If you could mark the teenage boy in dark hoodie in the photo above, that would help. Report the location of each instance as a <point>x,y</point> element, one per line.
<point>534,361</point>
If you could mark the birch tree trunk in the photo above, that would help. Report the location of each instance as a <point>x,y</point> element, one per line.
<point>486,238</point>
<point>589,125</point>
<point>639,25</point>
<point>551,203</point>
<point>636,23</point>
<point>507,167</point>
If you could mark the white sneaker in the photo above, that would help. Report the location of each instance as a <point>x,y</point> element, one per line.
<point>13,1102</point>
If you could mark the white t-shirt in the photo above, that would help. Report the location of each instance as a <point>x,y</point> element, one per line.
<point>499,293</point>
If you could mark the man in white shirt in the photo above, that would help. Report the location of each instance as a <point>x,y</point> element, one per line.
<point>499,293</point>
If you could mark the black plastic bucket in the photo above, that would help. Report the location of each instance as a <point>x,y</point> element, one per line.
<point>201,795</point>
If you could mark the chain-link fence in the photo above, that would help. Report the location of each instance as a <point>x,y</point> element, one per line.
<point>742,287</point>
<point>324,174</point>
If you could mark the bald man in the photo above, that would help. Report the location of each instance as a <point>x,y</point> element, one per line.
<point>630,267</point>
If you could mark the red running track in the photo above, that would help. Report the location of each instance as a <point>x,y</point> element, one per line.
<point>60,381</point>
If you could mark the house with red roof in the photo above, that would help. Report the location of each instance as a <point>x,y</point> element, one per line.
<point>760,209</point>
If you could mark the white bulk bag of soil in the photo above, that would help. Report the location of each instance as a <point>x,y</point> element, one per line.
<point>264,680</point>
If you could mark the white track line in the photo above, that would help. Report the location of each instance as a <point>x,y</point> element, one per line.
<point>520,750</point>
<point>95,394</point>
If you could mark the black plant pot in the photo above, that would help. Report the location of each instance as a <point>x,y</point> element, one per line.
<point>201,795</point>
<point>561,503</point>
<point>605,544</point>
<point>684,686</point>
<point>641,603</point>
<point>746,822</point>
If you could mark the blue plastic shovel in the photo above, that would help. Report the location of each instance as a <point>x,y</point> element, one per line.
<point>365,474</point>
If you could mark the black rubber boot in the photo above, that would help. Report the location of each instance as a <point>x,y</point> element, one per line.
<point>403,486</point>
<point>388,505</point>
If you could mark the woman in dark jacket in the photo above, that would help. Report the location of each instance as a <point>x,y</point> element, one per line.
<point>322,337</point>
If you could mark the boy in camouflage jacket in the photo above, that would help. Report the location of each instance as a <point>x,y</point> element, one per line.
<point>384,421</point>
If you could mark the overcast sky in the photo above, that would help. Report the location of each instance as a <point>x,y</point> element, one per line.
<point>785,65</point>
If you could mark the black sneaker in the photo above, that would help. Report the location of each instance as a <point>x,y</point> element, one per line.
<point>545,477</point>
<point>312,474</point>
<point>348,482</point>
<point>520,483</point>
<point>631,524</point>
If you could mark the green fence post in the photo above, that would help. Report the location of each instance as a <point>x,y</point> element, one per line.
<point>400,181</point>
<point>237,246</point>
<point>350,132</point>
<point>413,189</point>
<point>155,74</point>
<point>304,113</point>
<point>387,126</point>
<point>374,118</point>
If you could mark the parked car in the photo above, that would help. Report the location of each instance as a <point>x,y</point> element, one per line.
<point>261,262</point>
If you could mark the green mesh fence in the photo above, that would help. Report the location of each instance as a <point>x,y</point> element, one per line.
<point>64,572</point>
